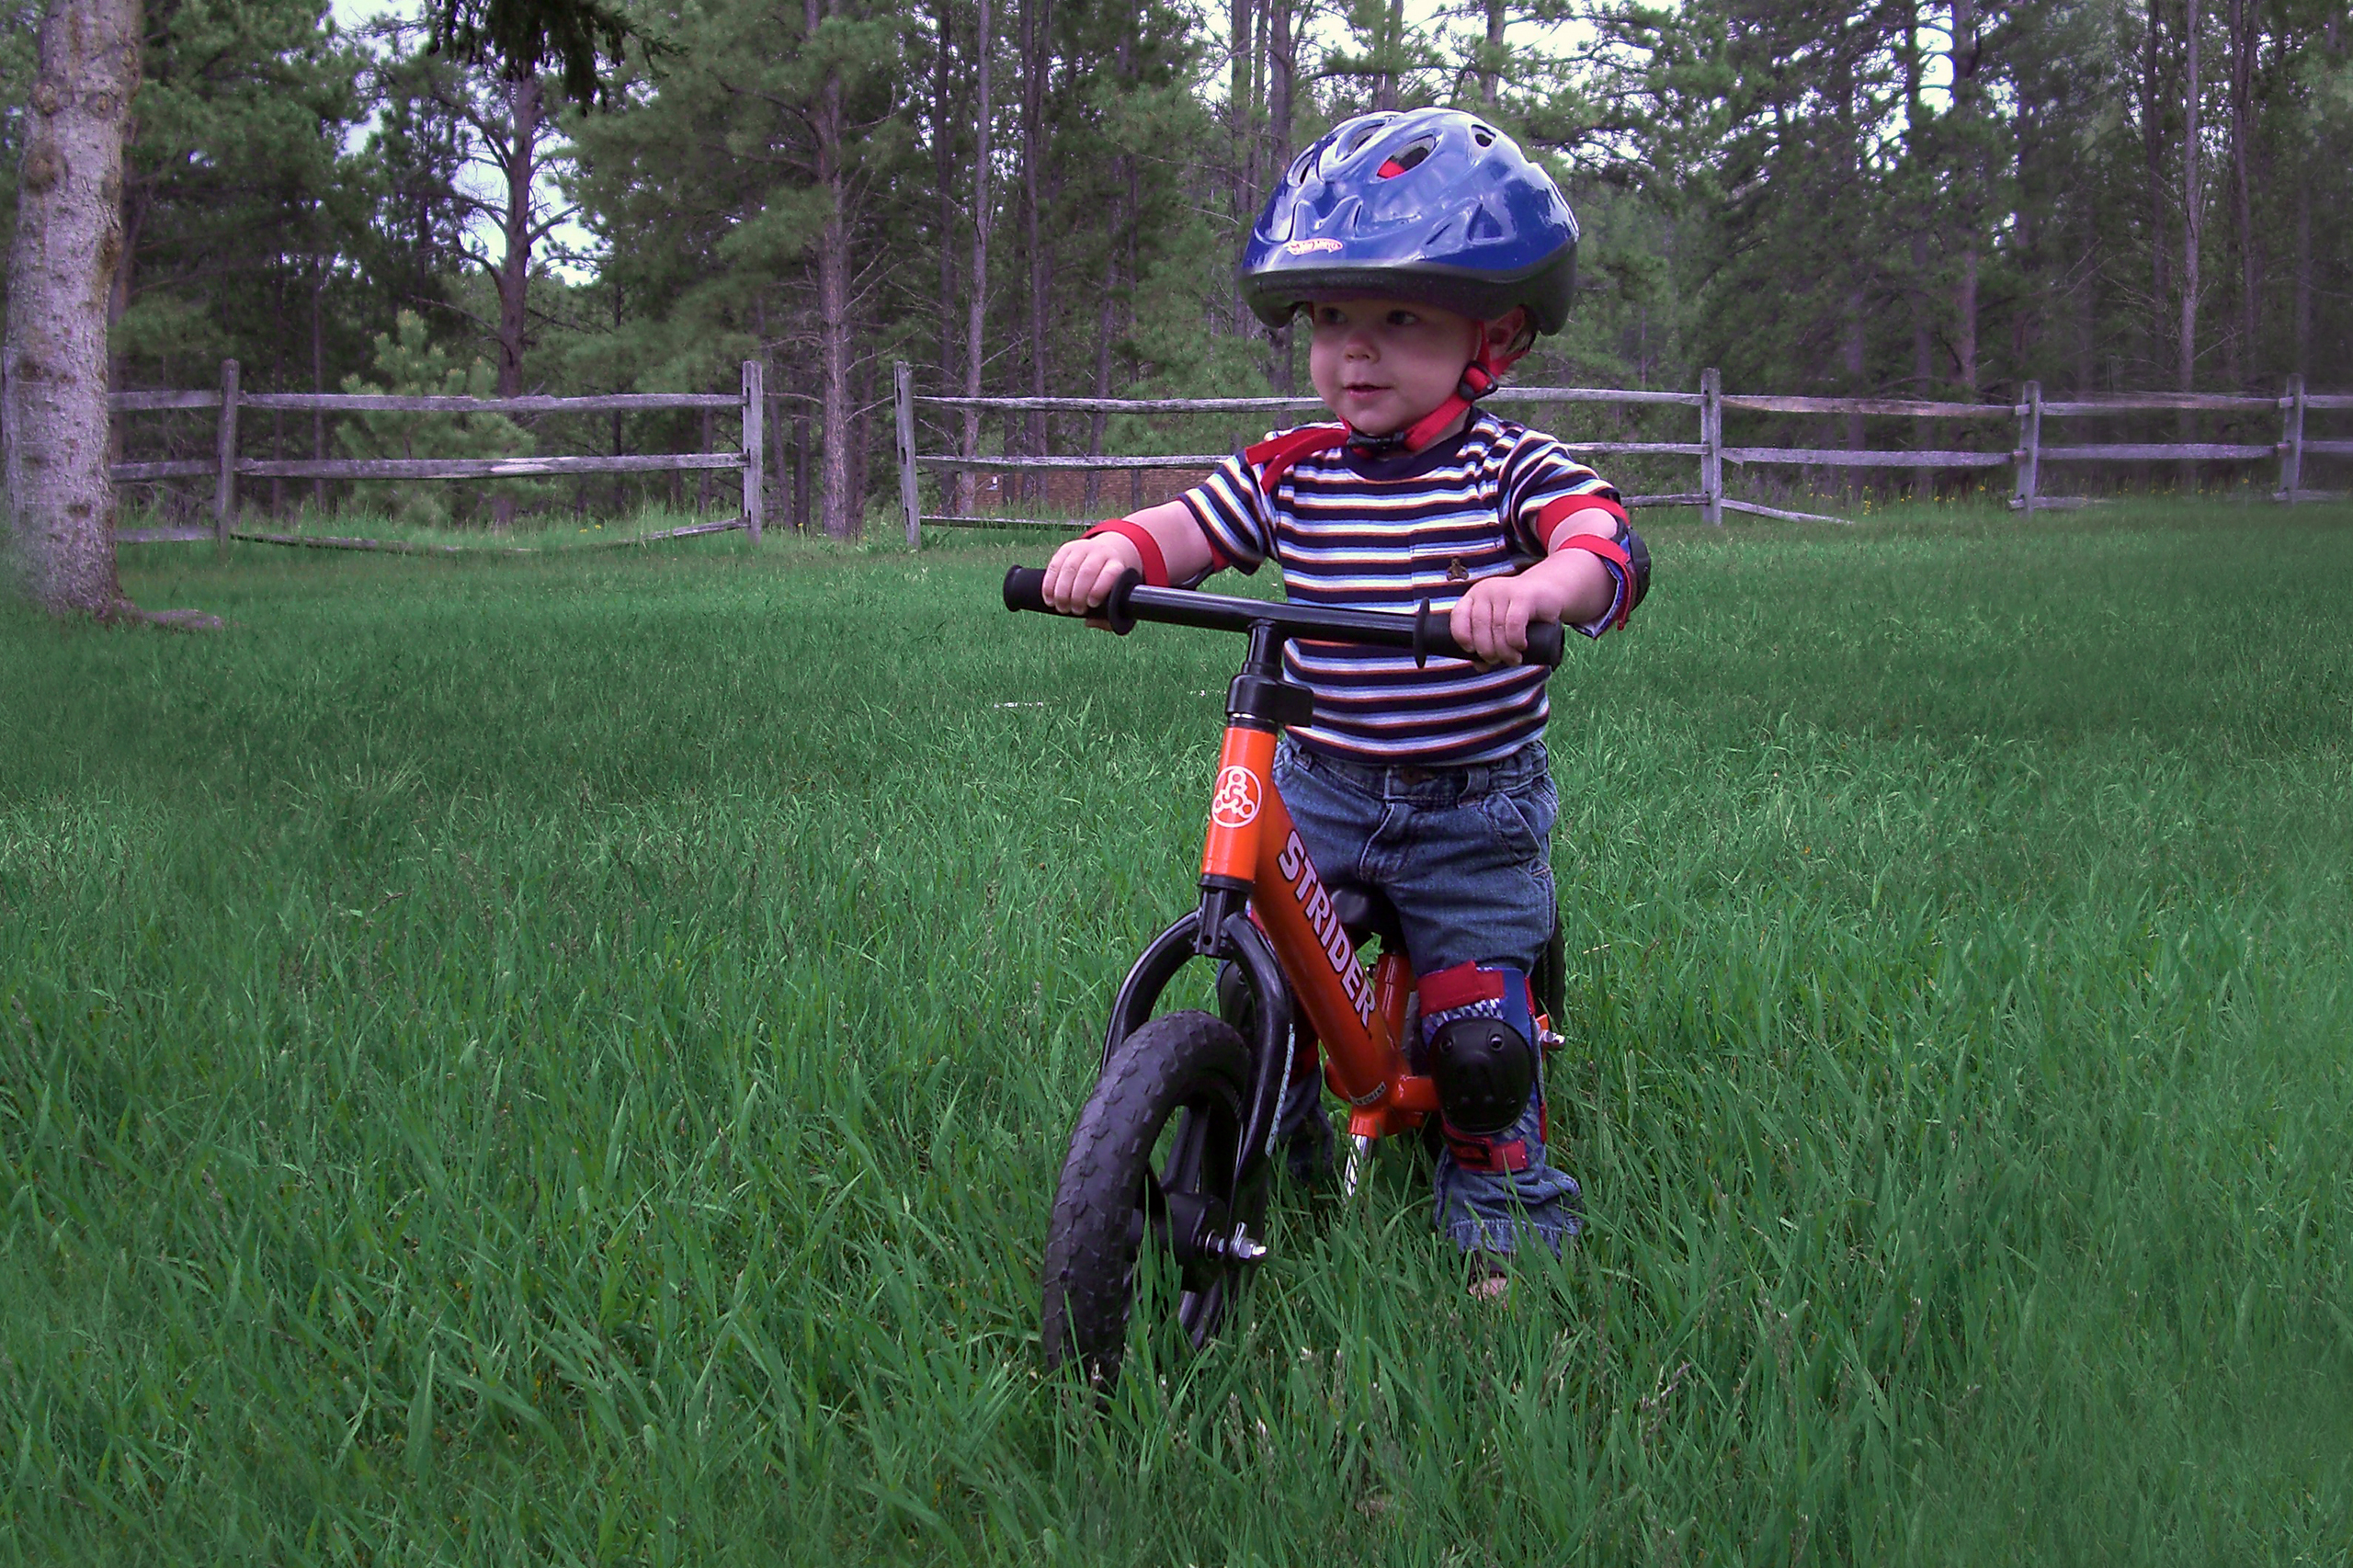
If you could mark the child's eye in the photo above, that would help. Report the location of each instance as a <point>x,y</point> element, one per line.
<point>1404,318</point>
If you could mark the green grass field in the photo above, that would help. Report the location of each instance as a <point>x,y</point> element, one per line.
<point>566,1059</point>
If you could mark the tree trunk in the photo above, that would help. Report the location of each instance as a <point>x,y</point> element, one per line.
<point>1034,50</point>
<point>135,199</point>
<point>278,383</point>
<point>1924,366</point>
<point>61,277</point>
<point>1282,79</point>
<point>977,300</point>
<point>702,482</point>
<point>1491,63</point>
<point>2192,219</point>
<point>2152,152</point>
<point>943,168</point>
<point>1242,94</point>
<point>1105,323</point>
<point>861,434</point>
<point>515,270</point>
<point>1247,39</point>
<point>1108,314</point>
<point>800,470</point>
<point>618,489</point>
<point>1852,341</point>
<point>2086,297</point>
<point>834,324</point>
<point>2250,281</point>
<point>2303,306</point>
<point>1134,277</point>
<point>318,378</point>
<point>1971,190</point>
<point>1392,47</point>
<point>1924,369</point>
<point>523,106</point>
<point>1855,366</point>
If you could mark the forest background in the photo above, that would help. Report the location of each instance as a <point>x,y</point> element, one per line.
<point>1045,196</point>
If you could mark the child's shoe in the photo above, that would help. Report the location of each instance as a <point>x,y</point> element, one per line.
<point>1308,1149</point>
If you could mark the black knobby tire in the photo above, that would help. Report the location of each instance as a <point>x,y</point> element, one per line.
<point>1179,1083</point>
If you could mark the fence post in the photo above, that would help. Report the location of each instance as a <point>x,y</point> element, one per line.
<point>1711,447</point>
<point>903,378</point>
<point>2292,443</point>
<point>2029,453</point>
<point>755,405</point>
<point>224,484</point>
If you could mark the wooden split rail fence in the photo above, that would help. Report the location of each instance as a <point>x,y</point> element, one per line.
<point>225,467</point>
<point>2026,457</point>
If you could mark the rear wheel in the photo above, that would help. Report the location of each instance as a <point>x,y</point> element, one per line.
<point>1152,1159</point>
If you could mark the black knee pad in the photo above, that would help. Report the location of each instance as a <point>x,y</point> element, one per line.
<point>1478,1049</point>
<point>1484,1070</point>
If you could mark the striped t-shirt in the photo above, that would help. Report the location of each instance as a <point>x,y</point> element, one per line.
<point>1362,533</point>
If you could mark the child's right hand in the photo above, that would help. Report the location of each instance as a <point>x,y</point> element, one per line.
<point>1079,576</point>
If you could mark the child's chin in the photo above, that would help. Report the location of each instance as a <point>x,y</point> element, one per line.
<point>1374,417</point>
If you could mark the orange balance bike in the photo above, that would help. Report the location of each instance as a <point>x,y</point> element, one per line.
<point>1174,1151</point>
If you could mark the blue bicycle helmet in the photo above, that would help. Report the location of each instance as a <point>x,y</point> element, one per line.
<point>1434,205</point>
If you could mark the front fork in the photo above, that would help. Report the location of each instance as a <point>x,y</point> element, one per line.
<point>1238,941</point>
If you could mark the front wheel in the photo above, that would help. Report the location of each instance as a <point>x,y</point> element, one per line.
<point>1152,1155</point>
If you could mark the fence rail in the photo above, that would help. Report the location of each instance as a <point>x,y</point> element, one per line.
<point>225,467</point>
<point>2025,455</point>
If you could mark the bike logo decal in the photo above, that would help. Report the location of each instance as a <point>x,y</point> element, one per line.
<point>1236,804</point>
<point>1309,248</point>
<point>1316,904</point>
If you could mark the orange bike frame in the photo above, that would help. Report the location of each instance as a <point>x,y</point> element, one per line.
<point>1360,1016</point>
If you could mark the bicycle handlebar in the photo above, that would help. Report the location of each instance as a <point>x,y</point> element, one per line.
<point>1422,633</point>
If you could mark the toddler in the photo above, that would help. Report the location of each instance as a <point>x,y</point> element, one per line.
<point>1426,252</point>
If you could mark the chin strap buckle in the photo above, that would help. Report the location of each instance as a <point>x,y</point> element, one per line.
<point>1273,457</point>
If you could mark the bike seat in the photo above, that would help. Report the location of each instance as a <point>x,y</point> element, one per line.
<point>1367,912</point>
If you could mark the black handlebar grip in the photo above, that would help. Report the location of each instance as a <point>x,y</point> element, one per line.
<point>1545,643</point>
<point>1025,589</point>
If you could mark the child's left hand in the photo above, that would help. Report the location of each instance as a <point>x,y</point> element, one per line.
<point>1493,617</point>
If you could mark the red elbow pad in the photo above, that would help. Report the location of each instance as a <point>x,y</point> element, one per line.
<point>1611,552</point>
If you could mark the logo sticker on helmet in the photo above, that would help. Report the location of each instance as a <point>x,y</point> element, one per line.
<point>1236,804</point>
<point>1309,248</point>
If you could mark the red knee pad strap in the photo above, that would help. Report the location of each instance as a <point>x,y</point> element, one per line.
<point>1493,1155</point>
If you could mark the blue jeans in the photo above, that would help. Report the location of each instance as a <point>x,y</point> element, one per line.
<point>1465,855</point>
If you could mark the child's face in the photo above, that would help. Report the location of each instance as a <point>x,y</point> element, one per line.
<point>1381,364</point>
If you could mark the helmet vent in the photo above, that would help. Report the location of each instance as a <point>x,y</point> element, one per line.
<point>1483,135</point>
<point>1340,151</point>
<point>1392,167</point>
